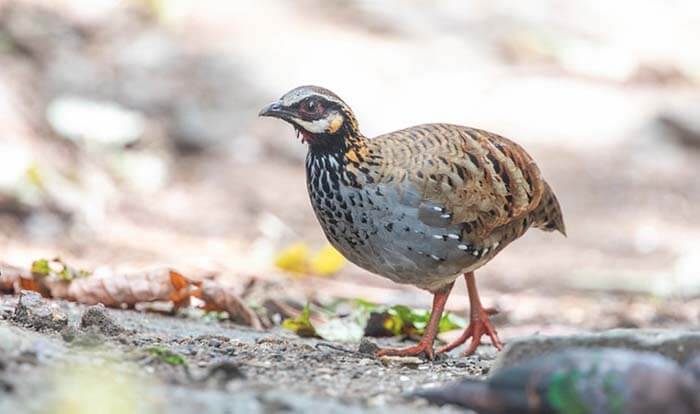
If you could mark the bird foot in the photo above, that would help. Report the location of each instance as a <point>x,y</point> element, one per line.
<point>479,325</point>
<point>421,348</point>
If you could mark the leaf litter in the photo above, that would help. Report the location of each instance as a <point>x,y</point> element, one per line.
<point>54,279</point>
<point>350,322</point>
<point>366,319</point>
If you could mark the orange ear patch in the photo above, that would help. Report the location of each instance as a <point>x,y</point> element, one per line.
<point>335,124</point>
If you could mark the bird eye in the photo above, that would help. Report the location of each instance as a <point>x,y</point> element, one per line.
<point>312,106</point>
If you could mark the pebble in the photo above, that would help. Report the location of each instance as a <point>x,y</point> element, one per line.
<point>97,317</point>
<point>413,362</point>
<point>367,347</point>
<point>34,312</point>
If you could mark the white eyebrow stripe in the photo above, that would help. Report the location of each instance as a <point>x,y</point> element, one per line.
<point>296,97</point>
<point>289,100</point>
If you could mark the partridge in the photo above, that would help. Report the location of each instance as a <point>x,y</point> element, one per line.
<point>612,381</point>
<point>419,206</point>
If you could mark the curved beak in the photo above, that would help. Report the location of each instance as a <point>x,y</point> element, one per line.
<point>275,110</point>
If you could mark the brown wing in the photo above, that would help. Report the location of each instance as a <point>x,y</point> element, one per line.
<point>480,178</point>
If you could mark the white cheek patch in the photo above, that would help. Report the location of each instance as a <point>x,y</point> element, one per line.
<point>329,124</point>
<point>318,126</point>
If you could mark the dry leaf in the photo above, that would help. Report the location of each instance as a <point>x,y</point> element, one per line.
<point>55,279</point>
<point>54,276</point>
<point>13,279</point>
<point>217,297</point>
<point>114,291</point>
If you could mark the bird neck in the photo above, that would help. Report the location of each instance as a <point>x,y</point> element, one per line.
<point>346,146</point>
<point>345,159</point>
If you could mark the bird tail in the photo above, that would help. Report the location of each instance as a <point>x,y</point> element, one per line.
<point>478,396</point>
<point>548,215</point>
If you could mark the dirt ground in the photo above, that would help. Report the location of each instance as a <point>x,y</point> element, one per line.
<point>63,357</point>
<point>226,368</point>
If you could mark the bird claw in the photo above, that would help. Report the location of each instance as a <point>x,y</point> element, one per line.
<point>479,326</point>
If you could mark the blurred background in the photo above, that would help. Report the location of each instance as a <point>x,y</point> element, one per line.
<point>129,138</point>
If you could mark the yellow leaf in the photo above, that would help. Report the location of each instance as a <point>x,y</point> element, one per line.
<point>294,258</point>
<point>327,261</point>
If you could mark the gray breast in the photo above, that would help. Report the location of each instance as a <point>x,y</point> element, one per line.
<point>389,229</point>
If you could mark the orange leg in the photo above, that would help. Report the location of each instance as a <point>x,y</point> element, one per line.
<point>425,346</point>
<point>479,323</point>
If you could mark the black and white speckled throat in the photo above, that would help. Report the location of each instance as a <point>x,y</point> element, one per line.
<point>324,172</point>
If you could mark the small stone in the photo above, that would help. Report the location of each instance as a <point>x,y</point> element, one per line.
<point>276,340</point>
<point>34,312</point>
<point>411,361</point>
<point>96,316</point>
<point>367,347</point>
<point>365,362</point>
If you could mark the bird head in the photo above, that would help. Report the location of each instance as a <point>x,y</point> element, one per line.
<point>318,115</point>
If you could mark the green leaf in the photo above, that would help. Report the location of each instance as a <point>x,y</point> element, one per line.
<point>41,267</point>
<point>66,274</point>
<point>414,321</point>
<point>403,312</point>
<point>301,325</point>
<point>215,316</point>
<point>56,268</point>
<point>393,324</point>
<point>167,356</point>
<point>396,320</point>
<point>366,305</point>
<point>450,322</point>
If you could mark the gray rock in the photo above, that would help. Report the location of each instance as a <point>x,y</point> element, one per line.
<point>677,345</point>
<point>367,347</point>
<point>96,317</point>
<point>33,311</point>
